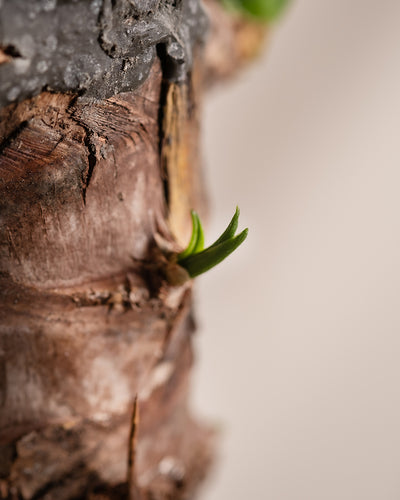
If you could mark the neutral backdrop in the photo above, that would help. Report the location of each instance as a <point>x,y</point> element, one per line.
<point>299,332</point>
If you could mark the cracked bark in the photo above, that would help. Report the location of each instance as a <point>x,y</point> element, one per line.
<point>91,335</point>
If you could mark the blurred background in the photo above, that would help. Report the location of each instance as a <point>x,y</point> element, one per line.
<point>298,349</point>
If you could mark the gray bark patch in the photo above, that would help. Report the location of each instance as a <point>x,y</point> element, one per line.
<point>96,48</point>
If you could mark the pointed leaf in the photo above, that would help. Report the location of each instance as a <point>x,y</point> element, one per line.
<point>194,237</point>
<point>230,230</point>
<point>200,237</point>
<point>203,261</point>
<point>264,10</point>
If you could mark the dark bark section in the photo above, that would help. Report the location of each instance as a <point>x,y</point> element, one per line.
<point>96,47</point>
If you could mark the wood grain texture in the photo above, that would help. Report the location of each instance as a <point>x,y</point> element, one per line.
<point>80,183</point>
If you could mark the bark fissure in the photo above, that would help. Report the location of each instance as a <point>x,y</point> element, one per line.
<point>134,492</point>
<point>52,488</point>
<point>92,161</point>
<point>11,50</point>
<point>12,136</point>
<point>162,137</point>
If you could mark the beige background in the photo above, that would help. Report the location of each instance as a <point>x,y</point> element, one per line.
<point>299,340</point>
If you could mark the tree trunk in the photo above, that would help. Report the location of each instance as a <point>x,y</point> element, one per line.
<point>99,168</point>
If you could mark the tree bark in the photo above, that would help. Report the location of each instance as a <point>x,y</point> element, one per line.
<point>99,168</point>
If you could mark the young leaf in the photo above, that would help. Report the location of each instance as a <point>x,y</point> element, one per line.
<point>201,262</point>
<point>264,10</point>
<point>200,237</point>
<point>194,237</point>
<point>230,230</point>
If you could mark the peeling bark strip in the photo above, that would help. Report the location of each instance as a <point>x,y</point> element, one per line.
<point>180,155</point>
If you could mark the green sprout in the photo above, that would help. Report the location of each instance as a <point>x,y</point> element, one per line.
<point>264,10</point>
<point>196,259</point>
<point>196,243</point>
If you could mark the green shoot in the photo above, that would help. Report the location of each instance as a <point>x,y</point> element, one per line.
<point>196,240</point>
<point>264,10</point>
<point>196,260</point>
<point>230,230</point>
<point>200,238</point>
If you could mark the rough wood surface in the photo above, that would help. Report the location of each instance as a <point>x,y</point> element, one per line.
<point>87,323</point>
<point>81,183</point>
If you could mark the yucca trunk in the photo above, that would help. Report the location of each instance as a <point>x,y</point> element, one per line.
<point>99,168</point>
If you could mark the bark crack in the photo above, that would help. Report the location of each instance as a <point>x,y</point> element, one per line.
<point>12,136</point>
<point>162,139</point>
<point>90,145</point>
<point>92,160</point>
<point>53,487</point>
<point>134,492</point>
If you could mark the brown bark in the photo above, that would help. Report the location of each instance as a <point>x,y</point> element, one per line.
<point>95,346</point>
<point>87,322</point>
